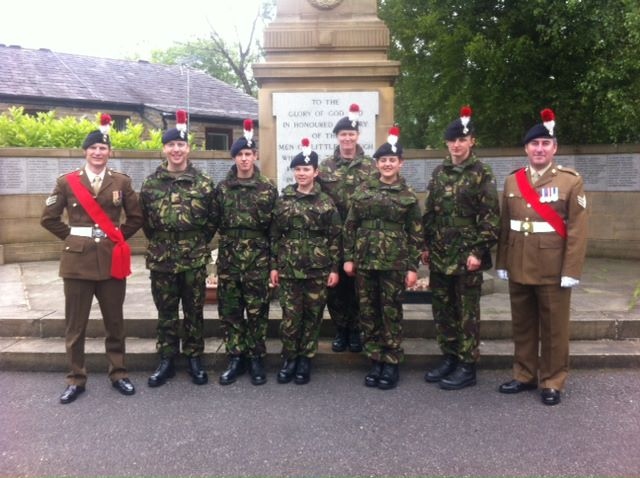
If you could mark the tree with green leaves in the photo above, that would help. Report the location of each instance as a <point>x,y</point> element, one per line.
<point>509,59</point>
<point>228,61</point>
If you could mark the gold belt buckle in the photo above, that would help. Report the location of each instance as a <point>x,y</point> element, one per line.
<point>526,226</point>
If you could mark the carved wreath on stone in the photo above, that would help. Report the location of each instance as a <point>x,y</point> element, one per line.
<point>325,4</point>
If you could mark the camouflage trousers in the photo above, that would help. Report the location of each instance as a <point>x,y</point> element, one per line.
<point>456,312</point>
<point>237,295</point>
<point>342,303</point>
<point>168,291</point>
<point>381,314</point>
<point>302,302</point>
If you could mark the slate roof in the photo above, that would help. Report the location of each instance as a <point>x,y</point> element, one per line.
<point>62,76</point>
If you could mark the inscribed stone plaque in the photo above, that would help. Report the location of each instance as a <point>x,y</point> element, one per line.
<point>313,115</point>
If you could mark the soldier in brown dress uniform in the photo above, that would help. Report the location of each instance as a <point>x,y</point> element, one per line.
<point>95,259</point>
<point>541,252</point>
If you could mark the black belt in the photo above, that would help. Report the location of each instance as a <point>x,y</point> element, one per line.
<point>241,233</point>
<point>455,221</point>
<point>303,234</point>
<point>381,224</point>
<point>178,235</point>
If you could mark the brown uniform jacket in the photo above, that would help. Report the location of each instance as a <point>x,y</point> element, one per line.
<point>86,257</point>
<point>544,257</point>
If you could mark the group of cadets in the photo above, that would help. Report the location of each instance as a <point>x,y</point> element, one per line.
<point>349,234</point>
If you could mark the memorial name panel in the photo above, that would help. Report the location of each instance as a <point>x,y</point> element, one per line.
<point>313,115</point>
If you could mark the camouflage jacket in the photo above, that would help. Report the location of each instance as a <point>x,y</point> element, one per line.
<point>383,230</point>
<point>180,219</point>
<point>340,177</point>
<point>244,210</point>
<point>461,215</point>
<point>305,234</point>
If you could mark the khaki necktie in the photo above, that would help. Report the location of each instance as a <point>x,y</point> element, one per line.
<point>534,176</point>
<point>96,184</point>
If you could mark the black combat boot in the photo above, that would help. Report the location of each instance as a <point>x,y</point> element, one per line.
<point>371,379</point>
<point>287,371</point>
<point>256,369</point>
<point>463,376</point>
<point>355,344</point>
<point>235,368</point>
<point>446,365</point>
<point>339,344</point>
<point>303,370</point>
<point>195,369</point>
<point>164,371</point>
<point>389,376</point>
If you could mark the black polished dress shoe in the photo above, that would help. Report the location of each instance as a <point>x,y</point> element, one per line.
<point>516,386</point>
<point>164,371</point>
<point>235,368</point>
<point>256,369</point>
<point>303,371</point>
<point>124,386</point>
<point>444,367</point>
<point>71,393</point>
<point>196,370</point>
<point>340,341</point>
<point>550,396</point>
<point>287,371</point>
<point>371,379</point>
<point>463,376</point>
<point>389,376</point>
<point>355,343</point>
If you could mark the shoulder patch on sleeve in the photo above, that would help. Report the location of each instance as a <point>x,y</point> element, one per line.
<point>51,200</point>
<point>582,201</point>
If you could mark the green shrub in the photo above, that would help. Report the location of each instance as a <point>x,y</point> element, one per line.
<point>45,130</point>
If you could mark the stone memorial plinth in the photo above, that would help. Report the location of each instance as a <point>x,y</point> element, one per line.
<point>321,56</point>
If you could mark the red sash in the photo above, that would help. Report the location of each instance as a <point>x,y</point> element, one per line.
<point>544,210</point>
<point>121,256</point>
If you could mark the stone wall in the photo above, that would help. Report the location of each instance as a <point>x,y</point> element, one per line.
<point>614,224</point>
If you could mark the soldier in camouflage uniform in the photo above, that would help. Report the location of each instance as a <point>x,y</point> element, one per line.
<point>460,222</point>
<point>305,254</point>
<point>245,200</point>
<point>179,220</point>
<point>339,177</point>
<point>382,244</point>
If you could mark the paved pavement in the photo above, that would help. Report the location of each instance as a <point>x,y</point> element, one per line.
<point>605,324</point>
<point>334,426</point>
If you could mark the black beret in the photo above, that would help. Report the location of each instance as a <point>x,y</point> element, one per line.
<point>301,160</point>
<point>246,140</point>
<point>387,150</point>
<point>461,126</point>
<point>306,157</point>
<point>175,134</point>
<point>544,129</point>
<point>179,133</point>
<point>345,124</point>
<point>242,143</point>
<point>457,130</point>
<point>96,136</point>
<point>391,147</point>
<point>350,122</point>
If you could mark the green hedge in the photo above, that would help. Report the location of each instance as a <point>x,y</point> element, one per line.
<point>45,130</point>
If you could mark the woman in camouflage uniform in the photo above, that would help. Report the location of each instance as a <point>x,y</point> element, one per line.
<point>461,226</point>
<point>382,243</point>
<point>305,253</point>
